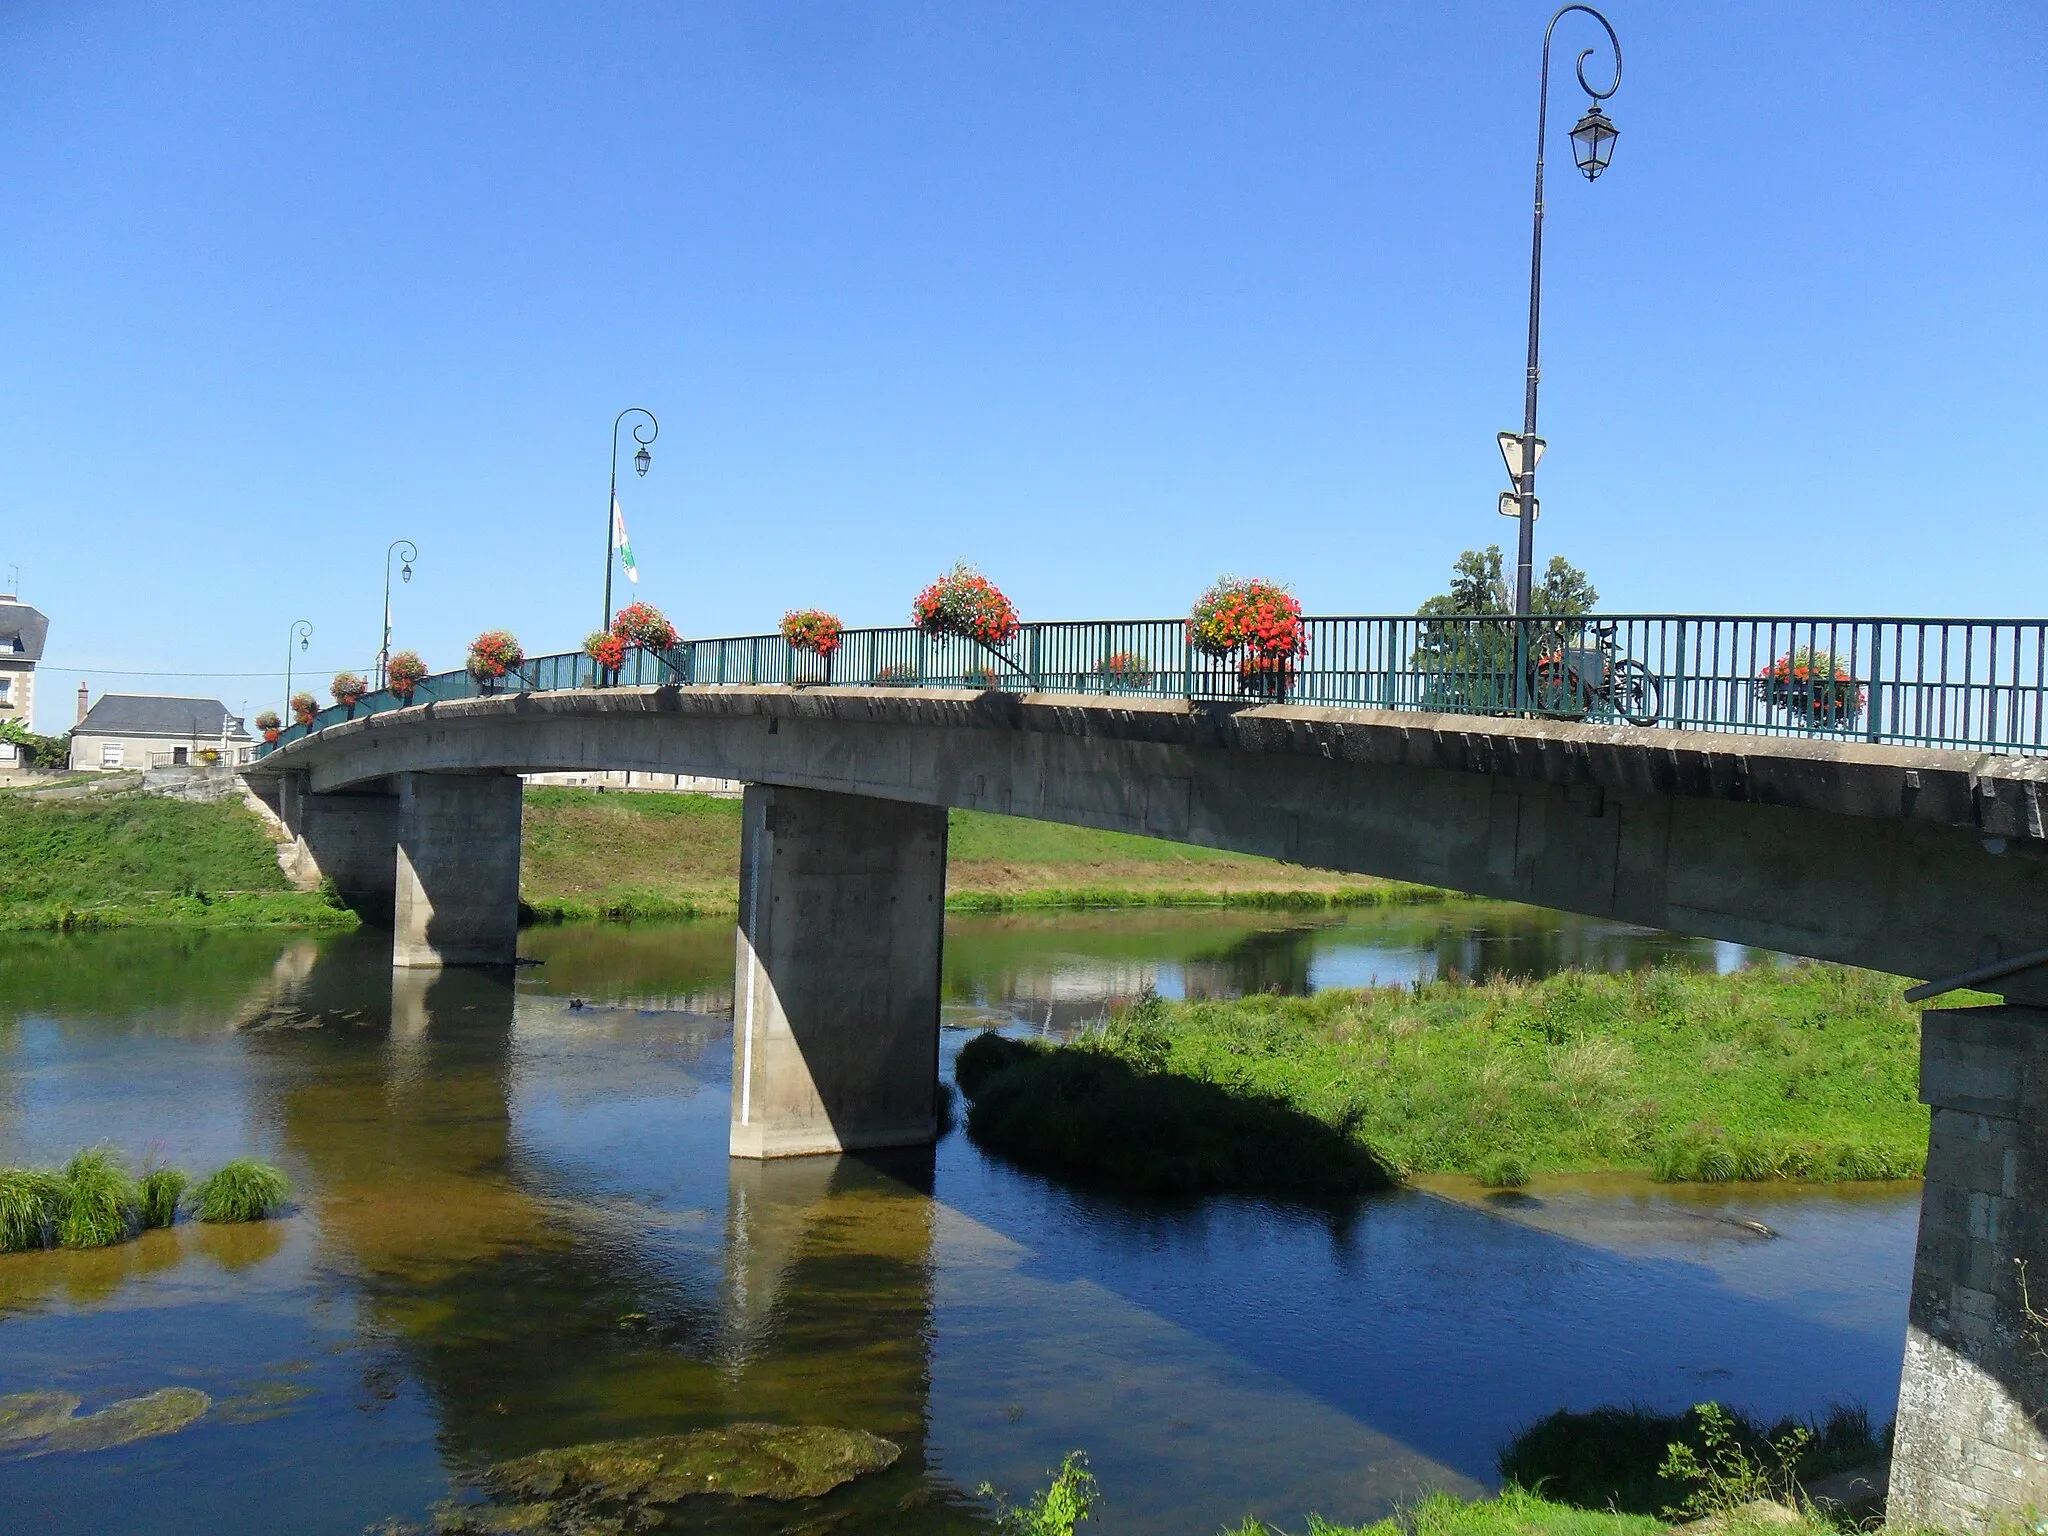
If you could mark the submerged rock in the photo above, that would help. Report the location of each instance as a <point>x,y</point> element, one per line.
<point>748,1461</point>
<point>43,1422</point>
<point>32,1415</point>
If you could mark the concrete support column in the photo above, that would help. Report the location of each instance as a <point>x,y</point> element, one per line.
<point>836,992</point>
<point>1971,1447</point>
<point>458,869</point>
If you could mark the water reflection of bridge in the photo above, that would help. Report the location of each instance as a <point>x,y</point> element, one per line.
<point>540,1302</point>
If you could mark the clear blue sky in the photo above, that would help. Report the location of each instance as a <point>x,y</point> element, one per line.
<point>1105,297</point>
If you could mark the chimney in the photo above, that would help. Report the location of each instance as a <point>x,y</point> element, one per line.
<point>81,703</point>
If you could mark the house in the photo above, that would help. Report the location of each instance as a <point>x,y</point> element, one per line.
<point>22,632</point>
<point>141,730</point>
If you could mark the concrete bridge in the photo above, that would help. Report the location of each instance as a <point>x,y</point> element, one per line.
<point>1925,862</point>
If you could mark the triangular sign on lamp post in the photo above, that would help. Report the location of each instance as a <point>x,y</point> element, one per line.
<point>1511,453</point>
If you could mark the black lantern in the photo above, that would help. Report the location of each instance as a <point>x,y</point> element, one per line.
<point>405,571</point>
<point>1593,142</point>
<point>642,459</point>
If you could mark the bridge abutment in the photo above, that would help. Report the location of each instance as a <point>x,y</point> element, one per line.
<point>344,839</point>
<point>836,987</point>
<point>1971,1449</point>
<point>457,869</point>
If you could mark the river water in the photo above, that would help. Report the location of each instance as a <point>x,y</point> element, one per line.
<point>517,1227</point>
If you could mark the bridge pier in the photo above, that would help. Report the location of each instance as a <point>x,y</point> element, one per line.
<point>1971,1449</point>
<point>457,869</point>
<point>836,986</point>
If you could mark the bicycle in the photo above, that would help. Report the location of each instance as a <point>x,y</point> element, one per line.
<point>1569,681</point>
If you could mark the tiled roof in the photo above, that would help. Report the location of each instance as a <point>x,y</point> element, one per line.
<point>22,631</point>
<point>144,714</point>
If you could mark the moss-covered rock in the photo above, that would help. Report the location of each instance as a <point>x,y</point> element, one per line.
<point>748,1461</point>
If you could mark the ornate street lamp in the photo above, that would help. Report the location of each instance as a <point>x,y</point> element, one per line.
<point>405,573</point>
<point>641,460</point>
<point>1592,148</point>
<point>302,632</point>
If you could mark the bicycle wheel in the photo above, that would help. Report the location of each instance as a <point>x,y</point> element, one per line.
<point>1637,697</point>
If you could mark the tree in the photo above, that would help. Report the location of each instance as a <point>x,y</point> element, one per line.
<point>1479,587</point>
<point>1465,653</point>
<point>40,751</point>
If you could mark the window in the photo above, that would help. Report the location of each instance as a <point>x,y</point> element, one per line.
<point>110,754</point>
<point>6,690</point>
<point>7,752</point>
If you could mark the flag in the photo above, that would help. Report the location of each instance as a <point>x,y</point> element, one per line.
<point>620,543</point>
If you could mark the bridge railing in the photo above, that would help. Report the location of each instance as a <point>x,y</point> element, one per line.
<point>1976,684</point>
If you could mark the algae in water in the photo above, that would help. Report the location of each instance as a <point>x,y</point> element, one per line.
<point>43,1422</point>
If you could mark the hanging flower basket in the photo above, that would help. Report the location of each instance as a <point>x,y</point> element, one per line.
<point>811,632</point>
<point>270,725</point>
<point>1815,686</point>
<point>641,624</point>
<point>492,655</point>
<point>1257,621</point>
<point>403,673</point>
<point>304,708</point>
<point>608,649</point>
<point>965,602</point>
<point>348,689</point>
<point>1124,671</point>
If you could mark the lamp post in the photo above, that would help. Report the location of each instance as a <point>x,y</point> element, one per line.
<point>641,459</point>
<point>411,554</point>
<point>302,632</point>
<point>1592,147</point>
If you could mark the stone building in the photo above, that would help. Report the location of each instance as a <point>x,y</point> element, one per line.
<point>22,632</point>
<point>139,730</point>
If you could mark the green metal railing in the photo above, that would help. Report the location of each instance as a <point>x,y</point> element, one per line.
<point>1974,684</point>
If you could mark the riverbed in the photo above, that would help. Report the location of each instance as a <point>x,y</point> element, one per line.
<point>516,1227</point>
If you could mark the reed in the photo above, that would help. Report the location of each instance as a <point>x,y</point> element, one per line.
<point>243,1190</point>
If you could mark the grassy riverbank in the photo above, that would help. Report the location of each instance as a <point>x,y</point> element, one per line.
<point>139,861</point>
<point>136,860</point>
<point>661,855</point>
<point>1805,1072</point>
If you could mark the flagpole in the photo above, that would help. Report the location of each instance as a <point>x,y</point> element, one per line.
<point>640,462</point>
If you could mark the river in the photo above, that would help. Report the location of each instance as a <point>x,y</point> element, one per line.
<point>517,1227</point>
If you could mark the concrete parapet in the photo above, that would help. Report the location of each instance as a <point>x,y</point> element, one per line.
<point>836,992</point>
<point>457,869</point>
<point>1971,1449</point>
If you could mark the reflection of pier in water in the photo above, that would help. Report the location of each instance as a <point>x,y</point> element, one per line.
<point>534,1305</point>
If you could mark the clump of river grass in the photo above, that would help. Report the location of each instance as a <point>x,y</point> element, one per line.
<point>102,1205</point>
<point>94,1201</point>
<point>161,1190</point>
<point>32,1204</point>
<point>243,1190</point>
<point>1772,1072</point>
